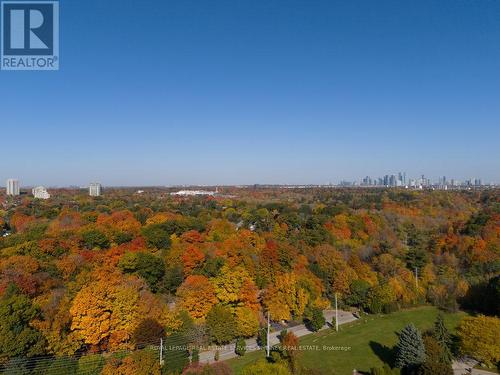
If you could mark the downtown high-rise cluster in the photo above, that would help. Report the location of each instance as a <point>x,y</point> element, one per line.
<point>401,180</point>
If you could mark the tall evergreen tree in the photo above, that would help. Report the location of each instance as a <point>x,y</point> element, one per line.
<point>410,348</point>
<point>442,336</point>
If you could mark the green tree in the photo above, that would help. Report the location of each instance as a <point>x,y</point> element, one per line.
<point>443,337</point>
<point>156,236</point>
<point>221,324</point>
<point>416,240</point>
<point>240,347</point>
<point>435,368</point>
<point>410,350</point>
<point>173,279</point>
<point>333,323</point>
<point>17,338</point>
<point>149,267</point>
<point>176,353</point>
<point>378,297</point>
<point>316,319</point>
<point>195,355</point>
<point>262,337</point>
<point>91,364</point>
<point>436,362</point>
<point>94,238</point>
<point>123,237</point>
<point>358,294</point>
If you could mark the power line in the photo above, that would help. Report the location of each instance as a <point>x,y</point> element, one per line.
<point>55,362</point>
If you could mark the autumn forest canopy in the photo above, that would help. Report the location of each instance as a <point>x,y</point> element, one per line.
<point>80,276</point>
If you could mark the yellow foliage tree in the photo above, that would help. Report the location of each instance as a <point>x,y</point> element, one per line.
<point>285,297</point>
<point>479,338</point>
<point>247,321</point>
<point>228,284</point>
<point>106,311</point>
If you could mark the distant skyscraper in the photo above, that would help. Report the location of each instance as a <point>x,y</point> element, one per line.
<point>94,189</point>
<point>392,180</point>
<point>40,192</point>
<point>12,186</point>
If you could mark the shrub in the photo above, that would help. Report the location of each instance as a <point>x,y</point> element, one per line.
<point>316,320</point>
<point>264,368</point>
<point>262,337</point>
<point>240,347</point>
<point>195,355</point>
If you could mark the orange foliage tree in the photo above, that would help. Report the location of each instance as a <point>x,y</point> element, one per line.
<point>197,296</point>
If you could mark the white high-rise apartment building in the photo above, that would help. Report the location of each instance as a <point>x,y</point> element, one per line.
<point>40,192</point>
<point>12,186</point>
<point>94,189</point>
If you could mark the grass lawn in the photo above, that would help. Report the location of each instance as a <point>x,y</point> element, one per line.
<point>370,340</point>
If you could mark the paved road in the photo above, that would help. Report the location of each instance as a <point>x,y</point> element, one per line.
<point>465,367</point>
<point>227,351</point>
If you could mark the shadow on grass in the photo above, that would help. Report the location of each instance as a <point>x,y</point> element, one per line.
<point>385,354</point>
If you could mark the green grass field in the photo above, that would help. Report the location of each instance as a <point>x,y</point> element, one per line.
<point>370,340</point>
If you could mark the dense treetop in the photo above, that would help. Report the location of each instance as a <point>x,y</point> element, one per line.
<point>86,275</point>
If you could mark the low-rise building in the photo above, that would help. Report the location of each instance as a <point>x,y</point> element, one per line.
<point>40,192</point>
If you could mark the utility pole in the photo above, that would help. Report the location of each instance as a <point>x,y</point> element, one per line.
<point>268,346</point>
<point>161,352</point>
<point>336,314</point>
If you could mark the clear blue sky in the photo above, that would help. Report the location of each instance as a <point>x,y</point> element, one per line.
<point>259,91</point>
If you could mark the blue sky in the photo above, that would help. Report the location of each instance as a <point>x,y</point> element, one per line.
<point>259,91</point>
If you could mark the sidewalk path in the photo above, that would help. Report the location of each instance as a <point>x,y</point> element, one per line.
<point>227,351</point>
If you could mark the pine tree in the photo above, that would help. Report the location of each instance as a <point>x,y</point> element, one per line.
<point>442,336</point>
<point>410,348</point>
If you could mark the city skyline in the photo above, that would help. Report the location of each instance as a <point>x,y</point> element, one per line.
<point>394,179</point>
